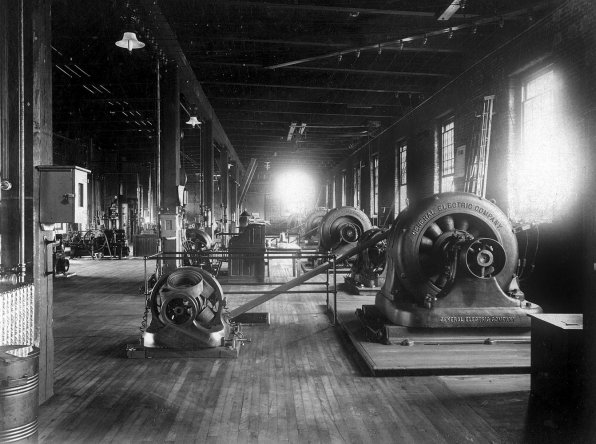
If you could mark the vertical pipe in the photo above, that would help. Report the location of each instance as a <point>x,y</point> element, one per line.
<point>334,291</point>
<point>21,161</point>
<point>158,138</point>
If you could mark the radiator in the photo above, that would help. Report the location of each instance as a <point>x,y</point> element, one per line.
<point>17,308</point>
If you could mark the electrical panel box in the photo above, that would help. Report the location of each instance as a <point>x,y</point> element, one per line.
<point>169,225</point>
<point>63,194</point>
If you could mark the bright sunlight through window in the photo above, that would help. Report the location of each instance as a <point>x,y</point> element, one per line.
<point>544,180</point>
<point>295,191</point>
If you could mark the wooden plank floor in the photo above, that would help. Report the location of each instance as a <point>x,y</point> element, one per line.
<point>296,382</point>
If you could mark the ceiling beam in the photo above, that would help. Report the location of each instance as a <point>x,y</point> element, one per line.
<point>337,9</point>
<point>230,111</point>
<point>312,102</point>
<point>413,38</point>
<point>315,88</point>
<point>329,69</point>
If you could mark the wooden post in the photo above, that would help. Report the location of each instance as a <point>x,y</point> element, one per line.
<point>170,159</point>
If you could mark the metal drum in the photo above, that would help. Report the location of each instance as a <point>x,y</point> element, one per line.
<point>19,393</point>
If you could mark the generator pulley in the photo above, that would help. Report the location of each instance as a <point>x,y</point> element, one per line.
<point>341,228</point>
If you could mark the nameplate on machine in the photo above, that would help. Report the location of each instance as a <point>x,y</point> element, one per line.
<point>454,206</point>
<point>474,320</point>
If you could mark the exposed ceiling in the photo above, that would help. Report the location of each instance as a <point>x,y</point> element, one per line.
<point>292,82</point>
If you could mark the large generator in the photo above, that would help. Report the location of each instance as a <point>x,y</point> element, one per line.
<point>451,262</point>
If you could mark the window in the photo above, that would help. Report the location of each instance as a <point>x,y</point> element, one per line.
<point>447,156</point>
<point>343,188</point>
<point>333,205</point>
<point>544,170</point>
<point>401,177</point>
<point>374,185</point>
<point>357,175</point>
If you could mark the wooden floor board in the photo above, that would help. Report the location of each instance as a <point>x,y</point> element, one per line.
<point>296,382</point>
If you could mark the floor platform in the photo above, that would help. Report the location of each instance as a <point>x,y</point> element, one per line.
<point>424,355</point>
<point>299,380</point>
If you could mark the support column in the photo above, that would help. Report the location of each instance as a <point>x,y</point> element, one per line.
<point>208,170</point>
<point>41,154</point>
<point>233,211</point>
<point>170,224</point>
<point>225,187</point>
<point>25,142</point>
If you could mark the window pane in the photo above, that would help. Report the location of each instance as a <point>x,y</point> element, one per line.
<point>447,156</point>
<point>544,170</point>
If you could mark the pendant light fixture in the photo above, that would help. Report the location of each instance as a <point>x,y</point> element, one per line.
<point>193,121</point>
<point>129,41</point>
<point>192,116</point>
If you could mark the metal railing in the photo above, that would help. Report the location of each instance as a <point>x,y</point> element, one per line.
<point>213,261</point>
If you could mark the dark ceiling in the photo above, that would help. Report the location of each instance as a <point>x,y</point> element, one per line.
<point>292,82</point>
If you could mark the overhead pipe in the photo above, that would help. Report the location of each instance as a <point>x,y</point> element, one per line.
<point>246,181</point>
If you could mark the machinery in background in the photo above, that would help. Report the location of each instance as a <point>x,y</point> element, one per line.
<point>312,222</point>
<point>99,244</point>
<point>197,244</point>
<point>368,270</point>
<point>341,229</point>
<point>247,251</point>
<point>451,262</point>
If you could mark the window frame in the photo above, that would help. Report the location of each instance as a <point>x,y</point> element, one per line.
<point>447,142</point>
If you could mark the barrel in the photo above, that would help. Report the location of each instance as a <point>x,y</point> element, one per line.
<point>19,393</point>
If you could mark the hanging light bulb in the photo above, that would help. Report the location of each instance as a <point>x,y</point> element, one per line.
<point>192,116</point>
<point>129,41</point>
<point>194,121</point>
<point>450,33</point>
<point>425,41</point>
<point>401,45</point>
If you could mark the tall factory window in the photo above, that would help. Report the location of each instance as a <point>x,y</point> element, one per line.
<point>333,200</point>
<point>447,155</point>
<point>401,176</point>
<point>357,175</point>
<point>545,168</point>
<point>343,188</point>
<point>374,185</point>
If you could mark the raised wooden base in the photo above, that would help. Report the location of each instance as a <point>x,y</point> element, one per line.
<point>422,354</point>
<point>136,351</point>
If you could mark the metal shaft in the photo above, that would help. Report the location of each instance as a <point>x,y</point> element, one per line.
<point>306,276</point>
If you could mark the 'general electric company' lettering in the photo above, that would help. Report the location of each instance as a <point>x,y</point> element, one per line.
<point>454,205</point>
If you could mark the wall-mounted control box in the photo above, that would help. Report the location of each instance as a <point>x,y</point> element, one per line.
<point>63,194</point>
<point>169,225</point>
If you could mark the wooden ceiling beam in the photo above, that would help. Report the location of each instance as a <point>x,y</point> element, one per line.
<point>330,69</point>
<point>338,9</point>
<point>315,88</point>
<point>235,111</point>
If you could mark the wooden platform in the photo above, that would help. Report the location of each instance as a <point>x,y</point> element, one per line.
<point>432,358</point>
<point>424,354</point>
<point>298,381</point>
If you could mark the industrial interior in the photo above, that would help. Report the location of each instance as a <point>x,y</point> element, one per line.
<point>297,221</point>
